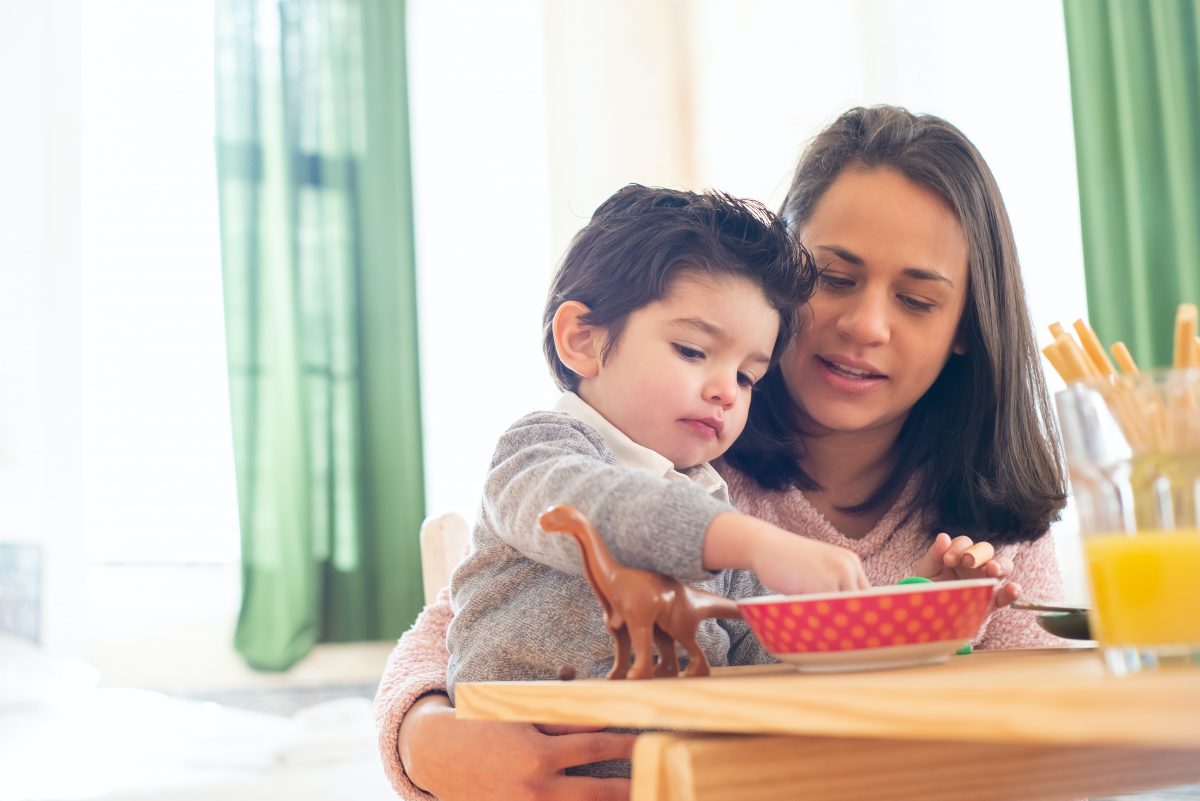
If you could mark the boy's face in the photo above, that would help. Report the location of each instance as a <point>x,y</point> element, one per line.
<point>678,380</point>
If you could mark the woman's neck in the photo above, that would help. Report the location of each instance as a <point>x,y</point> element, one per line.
<point>850,467</point>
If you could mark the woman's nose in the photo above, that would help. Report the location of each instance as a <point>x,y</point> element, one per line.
<point>864,319</point>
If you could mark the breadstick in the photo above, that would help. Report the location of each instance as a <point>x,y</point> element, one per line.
<point>1132,412</point>
<point>1124,407</point>
<point>1091,344</point>
<point>1124,359</point>
<point>977,554</point>
<point>1054,355</point>
<point>1074,355</point>
<point>1185,331</point>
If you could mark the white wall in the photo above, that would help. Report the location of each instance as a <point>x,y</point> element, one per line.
<point>483,221</point>
<point>998,71</point>
<point>525,119</point>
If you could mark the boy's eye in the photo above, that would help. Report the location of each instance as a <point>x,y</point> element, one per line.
<point>688,352</point>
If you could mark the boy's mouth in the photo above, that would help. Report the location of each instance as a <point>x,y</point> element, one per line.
<point>706,426</point>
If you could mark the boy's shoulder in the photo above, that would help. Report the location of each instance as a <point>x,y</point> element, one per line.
<point>539,436</point>
<point>547,426</point>
<point>546,417</point>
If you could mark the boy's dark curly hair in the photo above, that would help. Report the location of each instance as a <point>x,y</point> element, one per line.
<point>640,239</point>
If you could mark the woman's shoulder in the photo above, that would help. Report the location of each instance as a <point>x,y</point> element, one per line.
<point>1036,559</point>
<point>743,486</point>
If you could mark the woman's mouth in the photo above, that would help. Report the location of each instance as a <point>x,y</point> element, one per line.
<point>850,372</point>
<point>849,378</point>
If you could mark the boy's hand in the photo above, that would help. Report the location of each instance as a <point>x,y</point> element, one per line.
<point>793,564</point>
<point>785,562</point>
<point>962,558</point>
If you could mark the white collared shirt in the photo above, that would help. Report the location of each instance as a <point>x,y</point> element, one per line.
<point>638,457</point>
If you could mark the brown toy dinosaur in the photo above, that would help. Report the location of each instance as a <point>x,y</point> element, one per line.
<point>641,607</point>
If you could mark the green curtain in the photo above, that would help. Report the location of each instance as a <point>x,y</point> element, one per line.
<point>317,256</point>
<point>1135,93</point>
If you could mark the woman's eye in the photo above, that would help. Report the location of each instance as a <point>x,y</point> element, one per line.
<point>688,352</point>
<point>745,380</point>
<point>835,282</point>
<point>916,305</point>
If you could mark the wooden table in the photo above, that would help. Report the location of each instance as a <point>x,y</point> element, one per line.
<point>1034,724</point>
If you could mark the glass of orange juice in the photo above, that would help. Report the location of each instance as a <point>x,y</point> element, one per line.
<point>1133,452</point>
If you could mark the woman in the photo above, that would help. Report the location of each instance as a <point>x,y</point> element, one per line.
<point>911,403</point>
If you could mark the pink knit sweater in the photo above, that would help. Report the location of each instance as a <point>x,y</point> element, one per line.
<point>417,665</point>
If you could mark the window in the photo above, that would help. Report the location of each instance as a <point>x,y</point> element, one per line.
<point>157,449</point>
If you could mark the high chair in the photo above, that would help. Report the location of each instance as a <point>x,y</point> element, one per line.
<point>444,543</point>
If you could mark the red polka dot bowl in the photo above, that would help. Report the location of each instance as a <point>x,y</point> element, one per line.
<point>881,627</point>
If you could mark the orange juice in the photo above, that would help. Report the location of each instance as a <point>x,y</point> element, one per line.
<point>1145,587</point>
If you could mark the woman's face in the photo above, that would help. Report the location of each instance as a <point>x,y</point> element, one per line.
<point>885,316</point>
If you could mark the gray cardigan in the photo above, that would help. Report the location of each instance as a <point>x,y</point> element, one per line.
<point>522,607</point>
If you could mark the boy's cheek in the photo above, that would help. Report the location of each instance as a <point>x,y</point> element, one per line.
<point>733,430</point>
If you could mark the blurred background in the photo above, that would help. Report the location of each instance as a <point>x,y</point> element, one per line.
<point>271,276</point>
<point>271,272</point>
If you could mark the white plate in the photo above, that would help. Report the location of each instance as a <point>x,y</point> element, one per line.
<point>891,656</point>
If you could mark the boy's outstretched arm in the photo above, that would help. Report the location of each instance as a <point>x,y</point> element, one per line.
<point>783,561</point>
<point>645,520</point>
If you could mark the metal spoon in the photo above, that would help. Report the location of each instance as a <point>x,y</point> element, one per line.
<point>1044,606</point>
<point>1061,620</point>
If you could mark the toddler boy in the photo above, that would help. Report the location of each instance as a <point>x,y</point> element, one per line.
<point>666,310</point>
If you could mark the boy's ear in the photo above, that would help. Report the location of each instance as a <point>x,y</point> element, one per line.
<point>577,342</point>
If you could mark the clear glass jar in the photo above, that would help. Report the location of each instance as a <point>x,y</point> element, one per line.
<point>1133,452</point>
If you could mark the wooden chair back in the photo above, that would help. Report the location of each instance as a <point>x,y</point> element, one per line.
<point>444,542</point>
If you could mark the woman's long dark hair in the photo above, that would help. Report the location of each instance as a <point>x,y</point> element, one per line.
<point>981,441</point>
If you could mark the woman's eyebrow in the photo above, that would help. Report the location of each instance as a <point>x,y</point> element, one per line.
<point>926,275</point>
<point>842,253</point>
<point>920,273</point>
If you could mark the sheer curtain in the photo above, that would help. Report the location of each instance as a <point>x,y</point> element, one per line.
<point>317,253</point>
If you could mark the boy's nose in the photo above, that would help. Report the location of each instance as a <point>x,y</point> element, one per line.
<point>722,389</point>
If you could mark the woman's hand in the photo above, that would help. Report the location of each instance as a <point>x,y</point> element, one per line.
<point>962,558</point>
<point>482,760</point>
